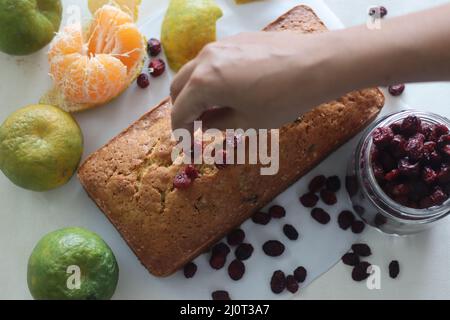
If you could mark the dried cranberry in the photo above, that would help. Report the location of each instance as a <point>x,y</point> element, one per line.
<point>181,181</point>
<point>351,185</point>
<point>328,197</point>
<point>156,67</point>
<point>220,249</point>
<point>429,175</point>
<point>244,251</point>
<point>388,188</point>
<point>380,220</point>
<point>191,172</point>
<point>394,269</point>
<point>382,136</point>
<point>419,189</point>
<point>444,174</point>
<point>426,129</point>
<point>320,215</point>
<point>396,90</point>
<point>361,249</point>
<point>414,147</point>
<point>217,261</point>
<point>446,150</point>
<point>220,295</point>
<point>261,218</point>
<point>358,226</point>
<point>278,282</point>
<point>143,81</point>
<point>300,274</point>
<point>413,204</point>
<point>447,188</point>
<point>379,11</point>
<point>345,219</point>
<point>273,248</point>
<point>426,202</point>
<point>409,169</point>
<point>411,125</point>
<point>360,271</point>
<point>235,237</point>
<point>219,256</point>
<point>402,200</point>
<point>444,141</point>
<point>435,159</point>
<point>440,129</point>
<point>387,161</point>
<point>428,148</point>
<point>153,47</point>
<point>189,270</point>
<point>392,175</point>
<point>277,212</point>
<point>236,269</point>
<point>397,146</point>
<point>434,131</point>
<point>438,196</point>
<point>350,259</point>
<point>317,183</point>
<point>401,189</point>
<point>291,284</point>
<point>333,184</point>
<point>378,172</point>
<point>290,232</point>
<point>309,200</point>
<point>374,153</point>
<point>396,127</point>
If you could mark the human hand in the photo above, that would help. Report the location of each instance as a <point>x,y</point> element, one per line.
<point>251,80</point>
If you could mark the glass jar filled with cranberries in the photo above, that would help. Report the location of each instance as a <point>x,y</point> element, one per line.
<point>399,178</point>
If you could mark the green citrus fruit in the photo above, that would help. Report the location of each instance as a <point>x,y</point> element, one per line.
<point>188,26</point>
<point>28,25</point>
<point>72,264</point>
<point>40,147</point>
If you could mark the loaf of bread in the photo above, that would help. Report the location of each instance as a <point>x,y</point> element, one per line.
<point>131,178</point>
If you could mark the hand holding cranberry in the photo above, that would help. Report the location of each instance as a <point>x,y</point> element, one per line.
<point>267,79</point>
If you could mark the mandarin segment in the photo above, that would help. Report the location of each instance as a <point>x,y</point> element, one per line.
<point>94,67</point>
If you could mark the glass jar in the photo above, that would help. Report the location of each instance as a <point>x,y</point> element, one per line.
<point>369,200</point>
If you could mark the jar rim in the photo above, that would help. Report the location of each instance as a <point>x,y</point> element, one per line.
<point>385,203</point>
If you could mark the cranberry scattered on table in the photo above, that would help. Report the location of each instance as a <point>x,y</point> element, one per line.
<point>396,90</point>
<point>220,295</point>
<point>153,47</point>
<point>189,270</point>
<point>156,67</point>
<point>278,282</point>
<point>143,81</point>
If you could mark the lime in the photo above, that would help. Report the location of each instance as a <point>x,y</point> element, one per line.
<point>40,147</point>
<point>72,264</point>
<point>28,25</point>
<point>188,26</point>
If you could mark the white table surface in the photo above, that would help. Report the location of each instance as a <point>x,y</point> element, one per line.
<point>424,258</point>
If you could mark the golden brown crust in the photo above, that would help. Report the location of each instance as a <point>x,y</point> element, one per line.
<point>130,178</point>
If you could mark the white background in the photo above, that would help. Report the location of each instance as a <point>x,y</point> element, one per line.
<point>424,258</point>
